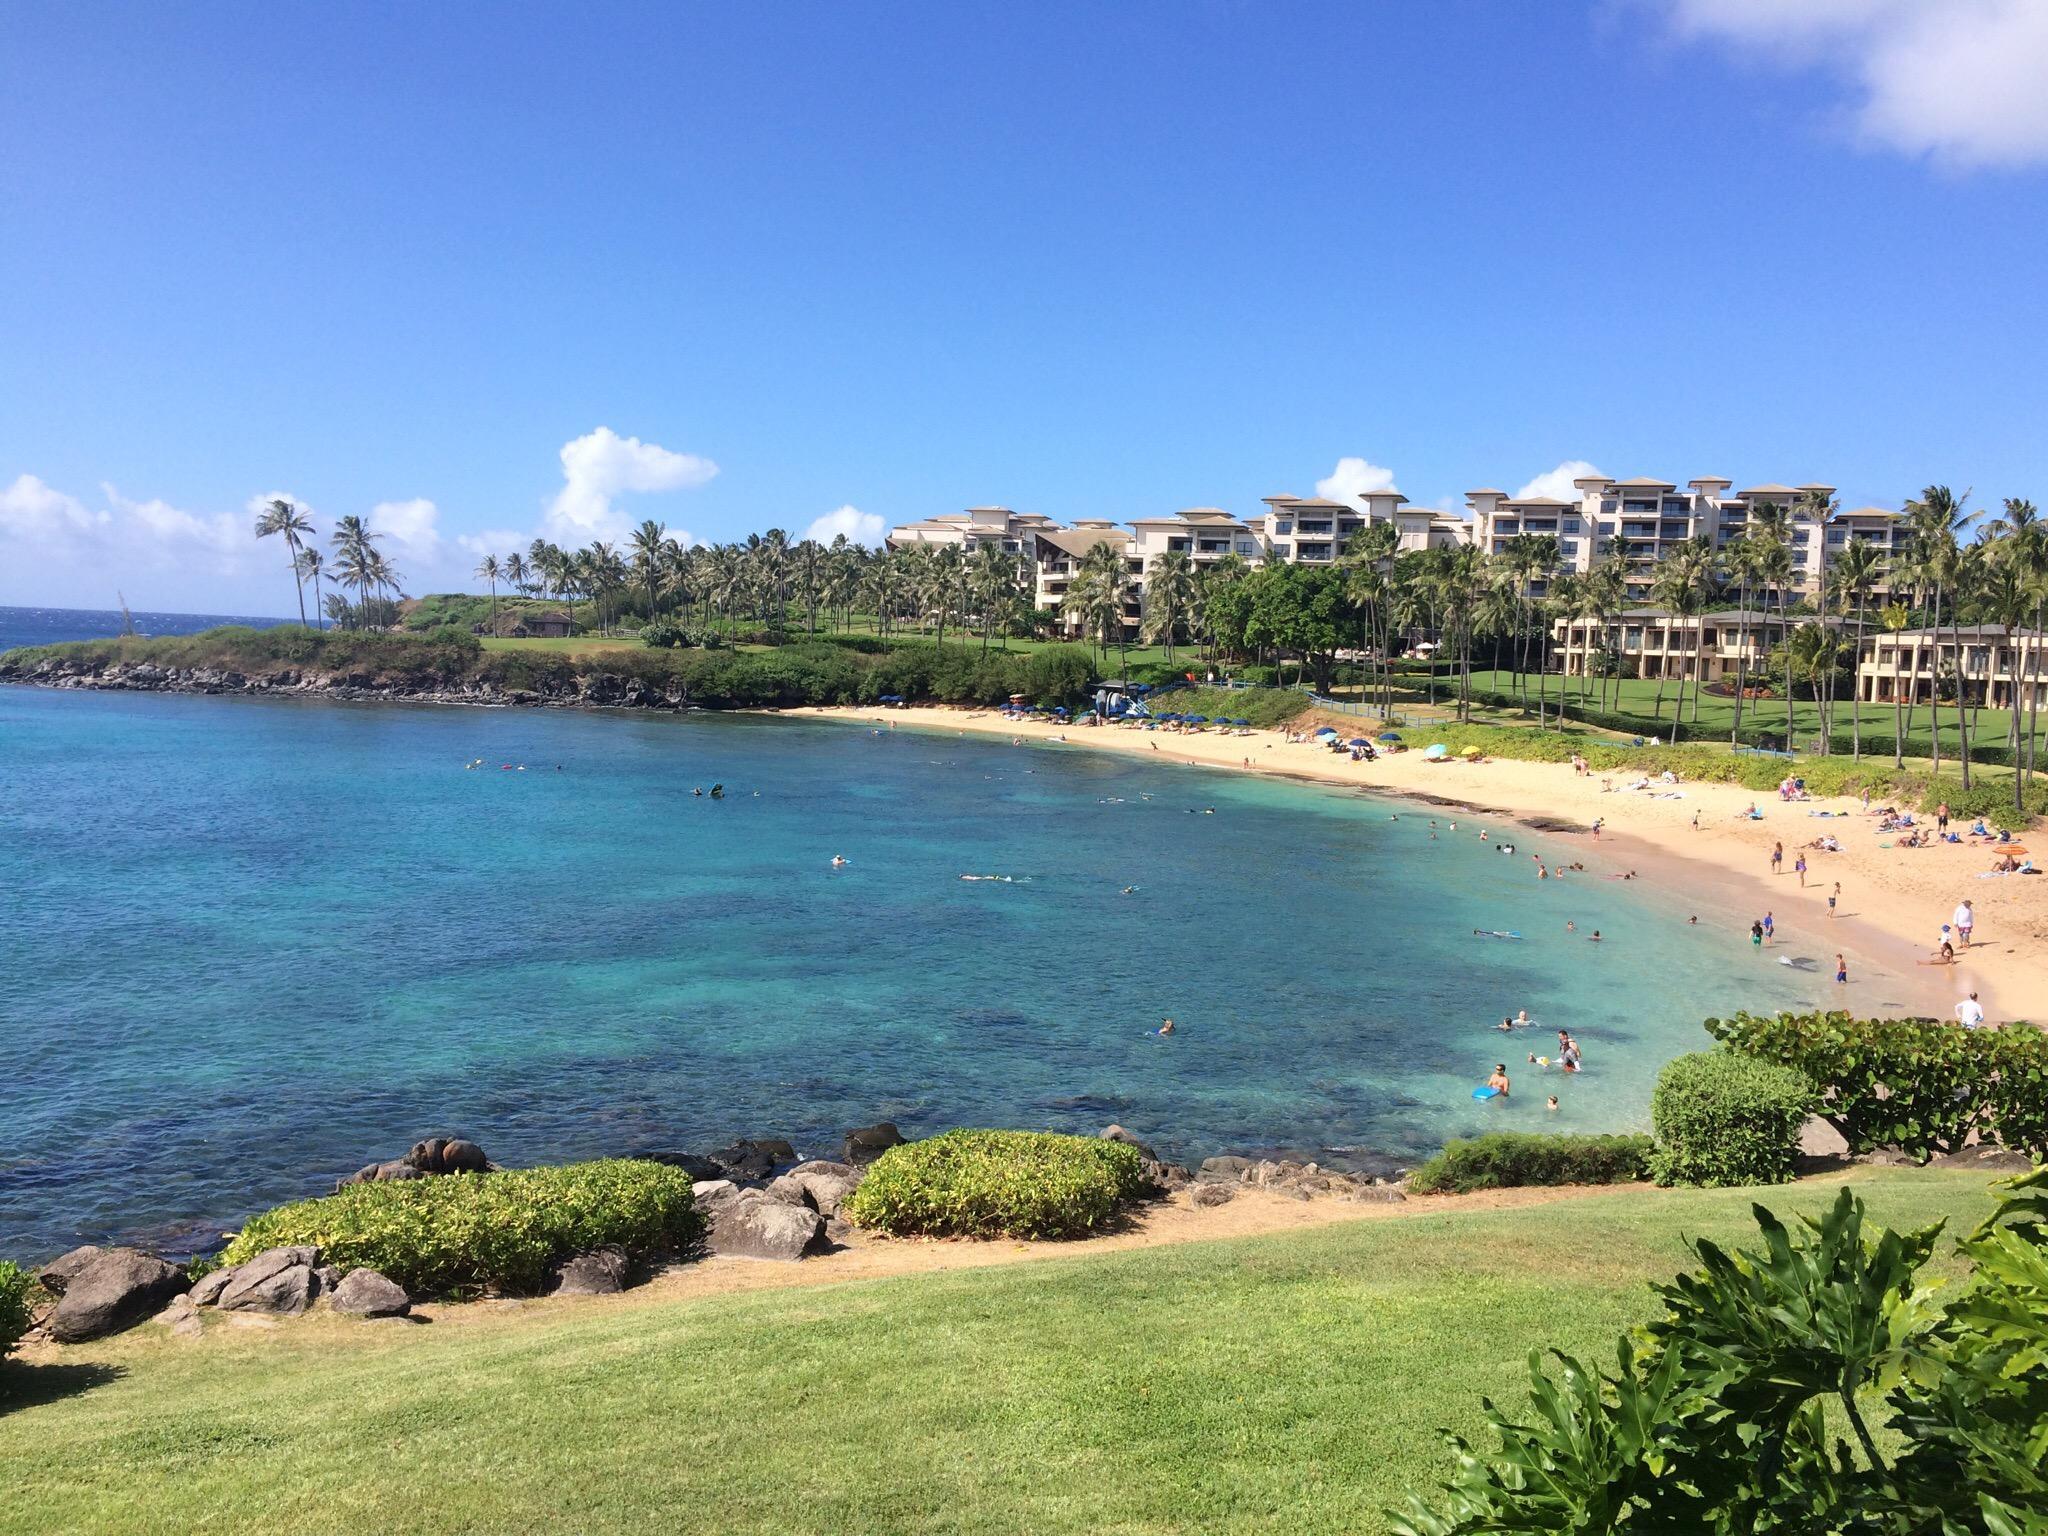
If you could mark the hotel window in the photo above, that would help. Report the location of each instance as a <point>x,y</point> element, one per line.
<point>1571,525</point>
<point>1568,547</point>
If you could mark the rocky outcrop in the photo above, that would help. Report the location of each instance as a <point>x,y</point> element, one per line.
<point>435,1155</point>
<point>114,1289</point>
<point>870,1142</point>
<point>752,1225</point>
<point>278,1280</point>
<point>206,1290</point>
<point>820,1185</point>
<point>600,1272</point>
<point>57,1274</point>
<point>573,688</point>
<point>366,1293</point>
<point>1212,1193</point>
<point>746,1162</point>
<point>1288,1179</point>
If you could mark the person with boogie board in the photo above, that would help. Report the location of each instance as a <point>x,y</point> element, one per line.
<point>1496,1086</point>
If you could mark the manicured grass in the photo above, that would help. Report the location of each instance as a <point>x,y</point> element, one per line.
<point>1284,1384</point>
<point>566,645</point>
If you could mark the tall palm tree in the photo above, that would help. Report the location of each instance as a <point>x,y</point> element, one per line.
<point>359,565</point>
<point>1169,594</point>
<point>1685,582</point>
<point>1743,564</point>
<point>312,566</point>
<point>1896,618</point>
<point>281,517</point>
<point>1855,573</point>
<point>489,570</point>
<point>2024,536</point>
<point>647,542</point>
<point>516,574</point>
<point>1938,522</point>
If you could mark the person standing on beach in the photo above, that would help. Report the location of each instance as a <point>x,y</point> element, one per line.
<point>1770,928</point>
<point>1756,934</point>
<point>1777,858</point>
<point>1970,1012</point>
<point>1834,896</point>
<point>1841,969</point>
<point>1965,919</point>
<point>1941,817</point>
<point>1799,868</point>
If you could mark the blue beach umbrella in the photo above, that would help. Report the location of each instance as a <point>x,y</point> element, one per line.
<point>1358,741</point>
<point>1390,735</point>
<point>1326,730</point>
<point>1436,749</point>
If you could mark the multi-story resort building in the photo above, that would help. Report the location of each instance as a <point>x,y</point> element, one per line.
<point>1647,519</point>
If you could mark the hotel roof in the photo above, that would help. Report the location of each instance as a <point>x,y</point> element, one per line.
<point>1769,489</point>
<point>1644,483</point>
<point>1869,512</point>
<point>1486,490</point>
<point>1078,541</point>
<point>1542,501</point>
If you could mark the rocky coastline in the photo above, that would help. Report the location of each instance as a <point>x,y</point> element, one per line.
<point>574,689</point>
<point>758,1199</point>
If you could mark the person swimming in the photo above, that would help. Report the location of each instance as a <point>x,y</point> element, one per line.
<point>1553,1102</point>
<point>1166,1026</point>
<point>839,861</point>
<point>1499,1081</point>
<point>1522,1016</point>
<point>1505,1025</point>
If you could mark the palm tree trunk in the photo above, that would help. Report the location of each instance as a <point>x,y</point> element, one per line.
<point>1934,682</point>
<point>1955,630</point>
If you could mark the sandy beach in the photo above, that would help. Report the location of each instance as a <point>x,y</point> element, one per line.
<point>1894,900</point>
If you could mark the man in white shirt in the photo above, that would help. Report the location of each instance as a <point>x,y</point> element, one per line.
<point>1964,919</point>
<point>1970,1012</point>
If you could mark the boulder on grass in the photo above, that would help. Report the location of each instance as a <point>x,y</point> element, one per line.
<point>600,1272</point>
<point>57,1274</point>
<point>116,1289</point>
<point>276,1280</point>
<point>366,1293</point>
<point>753,1226</point>
<point>1212,1192</point>
<point>207,1288</point>
<point>870,1142</point>
<point>818,1184</point>
<point>712,1193</point>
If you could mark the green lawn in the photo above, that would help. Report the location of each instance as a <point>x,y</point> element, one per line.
<point>1283,1384</point>
<point>567,645</point>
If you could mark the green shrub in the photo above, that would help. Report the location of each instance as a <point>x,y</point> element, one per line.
<point>463,1233</point>
<point>14,1287</point>
<point>1917,1086</point>
<point>1722,1118</point>
<point>1511,1159</point>
<point>997,1184</point>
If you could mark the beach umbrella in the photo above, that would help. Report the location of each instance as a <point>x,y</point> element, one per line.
<point>1468,752</point>
<point>1326,730</point>
<point>1436,749</point>
<point>1059,709</point>
<point>1240,722</point>
<point>1390,735</point>
<point>1358,741</point>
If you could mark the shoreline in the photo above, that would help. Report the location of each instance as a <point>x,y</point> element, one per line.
<point>1894,901</point>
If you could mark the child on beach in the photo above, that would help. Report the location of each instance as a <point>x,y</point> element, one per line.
<point>1841,970</point>
<point>1834,896</point>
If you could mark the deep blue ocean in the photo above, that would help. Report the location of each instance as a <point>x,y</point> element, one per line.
<point>250,945</point>
<point>52,626</point>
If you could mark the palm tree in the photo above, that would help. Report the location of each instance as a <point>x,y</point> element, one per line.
<point>489,570</point>
<point>1685,581</point>
<point>311,568</point>
<point>1743,564</point>
<point>1895,618</point>
<point>1938,523</point>
<point>1854,573</point>
<point>516,574</point>
<point>1097,595</point>
<point>360,565</point>
<point>2023,536</point>
<point>1169,593</point>
<point>648,541</point>
<point>280,516</point>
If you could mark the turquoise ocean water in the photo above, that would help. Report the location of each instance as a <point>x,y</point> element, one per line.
<point>251,945</point>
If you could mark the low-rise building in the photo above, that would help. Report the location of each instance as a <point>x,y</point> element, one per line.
<point>1989,664</point>
<point>1654,642</point>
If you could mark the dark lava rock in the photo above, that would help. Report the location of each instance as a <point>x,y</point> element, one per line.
<point>600,1272</point>
<point>820,1185</point>
<point>870,1142</point>
<point>276,1280</point>
<point>116,1289</point>
<point>1214,1192</point>
<point>57,1274</point>
<point>752,1161</point>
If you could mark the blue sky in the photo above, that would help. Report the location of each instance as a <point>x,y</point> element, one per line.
<point>752,265</point>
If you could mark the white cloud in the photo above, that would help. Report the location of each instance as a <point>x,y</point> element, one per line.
<point>493,541</point>
<point>30,509</point>
<point>1960,80</point>
<point>411,526</point>
<point>158,519</point>
<point>858,526</point>
<point>601,465</point>
<point>1351,479</point>
<point>1557,483</point>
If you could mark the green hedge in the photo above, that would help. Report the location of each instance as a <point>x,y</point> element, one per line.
<point>1722,1118</point>
<point>1511,1159</point>
<point>997,1184</point>
<point>459,1234</point>
<point>1917,1086</point>
<point>14,1286</point>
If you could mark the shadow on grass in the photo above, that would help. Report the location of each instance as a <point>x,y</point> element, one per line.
<point>30,1386</point>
